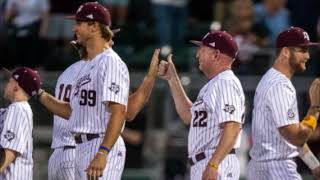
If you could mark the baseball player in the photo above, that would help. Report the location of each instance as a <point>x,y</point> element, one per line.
<point>99,96</point>
<point>277,134</point>
<point>216,117</point>
<point>16,123</point>
<point>61,163</point>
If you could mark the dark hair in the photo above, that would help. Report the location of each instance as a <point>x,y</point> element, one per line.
<point>106,32</point>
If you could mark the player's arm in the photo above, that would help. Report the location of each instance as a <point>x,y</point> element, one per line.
<point>115,124</point>
<point>7,157</point>
<point>139,98</point>
<point>228,138</point>
<point>310,160</point>
<point>298,134</point>
<point>57,107</point>
<point>182,103</point>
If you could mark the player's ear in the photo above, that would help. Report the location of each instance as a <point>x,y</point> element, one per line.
<point>16,87</point>
<point>285,51</point>
<point>216,54</point>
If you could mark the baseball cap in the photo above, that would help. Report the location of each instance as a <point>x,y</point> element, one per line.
<point>294,37</point>
<point>28,79</point>
<point>220,40</point>
<point>92,11</point>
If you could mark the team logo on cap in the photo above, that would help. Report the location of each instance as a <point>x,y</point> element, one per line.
<point>9,135</point>
<point>306,36</point>
<point>90,16</point>
<point>291,114</point>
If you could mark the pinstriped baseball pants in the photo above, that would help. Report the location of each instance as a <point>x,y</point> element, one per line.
<point>273,170</point>
<point>86,151</point>
<point>229,168</point>
<point>61,164</point>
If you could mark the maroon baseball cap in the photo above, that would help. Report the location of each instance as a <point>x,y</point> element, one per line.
<point>294,37</point>
<point>28,79</point>
<point>92,11</point>
<point>220,40</point>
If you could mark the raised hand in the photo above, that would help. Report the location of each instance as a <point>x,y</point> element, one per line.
<point>314,93</point>
<point>167,69</point>
<point>154,64</point>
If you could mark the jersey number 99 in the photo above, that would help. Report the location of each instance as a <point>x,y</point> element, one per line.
<point>88,97</point>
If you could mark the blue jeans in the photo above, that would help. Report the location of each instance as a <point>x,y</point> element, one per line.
<point>170,23</point>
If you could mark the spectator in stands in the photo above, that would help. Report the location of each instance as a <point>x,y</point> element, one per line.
<point>170,22</point>
<point>118,9</point>
<point>27,22</point>
<point>240,25</point>
<point>273,15</point>
<point>59,52</point>
<point>60,28</point>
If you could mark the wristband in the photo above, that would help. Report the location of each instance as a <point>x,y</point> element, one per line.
<point>104,148</point>
<point>310,160</point>
<point>99,152</point>
<point>310,121</point>
<point>213,165</point>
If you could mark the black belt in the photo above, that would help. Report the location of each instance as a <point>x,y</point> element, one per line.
<point>202,155</point>
<point>89,137</point>
<point>68,147</point>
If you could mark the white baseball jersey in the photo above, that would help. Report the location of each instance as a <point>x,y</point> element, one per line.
<point>219,101</point>
<point>105,78</point>
<point>61,135</point>
<point>61,164</point>
<point>275,106</point>
<point>16,123</point>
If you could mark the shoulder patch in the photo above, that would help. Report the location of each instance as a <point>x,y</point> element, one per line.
<point>114,88</point>
<point>9,135</point>
<point>229,108</point>
<point>291,114</point>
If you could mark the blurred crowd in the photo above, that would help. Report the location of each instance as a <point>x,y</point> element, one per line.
<point>35,32</point>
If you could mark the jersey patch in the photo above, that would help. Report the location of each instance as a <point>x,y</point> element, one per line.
<point>198,101</point>
<point>9,135</point>
<point>291,114</point>
<point>114,88</point>
<point>229,108</point>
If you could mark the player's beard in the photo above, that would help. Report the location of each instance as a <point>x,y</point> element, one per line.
<point>296,64</point>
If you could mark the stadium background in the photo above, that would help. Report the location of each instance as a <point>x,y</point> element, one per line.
<point>158,149</point>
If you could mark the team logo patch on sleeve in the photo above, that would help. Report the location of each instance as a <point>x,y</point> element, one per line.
<point>291,114</point>
<point>229,108</point>
<point>114,88</point>
<point>9,135</point>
